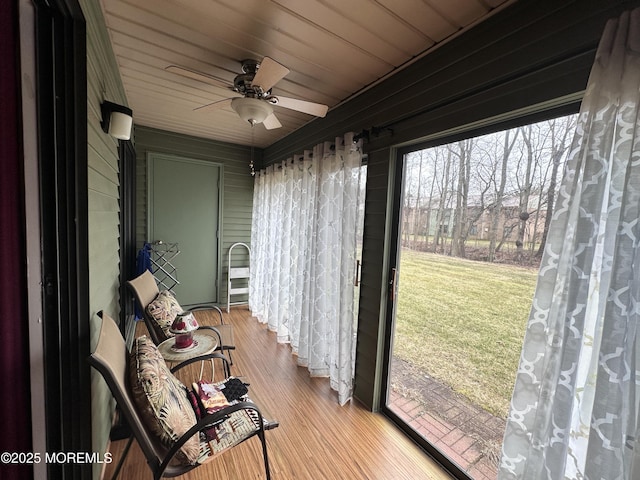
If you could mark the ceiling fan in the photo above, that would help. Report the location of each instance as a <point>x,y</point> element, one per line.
<point>254,104</point>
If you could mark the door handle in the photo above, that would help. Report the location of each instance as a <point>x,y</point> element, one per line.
<point>393,284</point>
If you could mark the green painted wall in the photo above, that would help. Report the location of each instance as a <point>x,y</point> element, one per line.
<point>236,186</point>
<point>103,83</point>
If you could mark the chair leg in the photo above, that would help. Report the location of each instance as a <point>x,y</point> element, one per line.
<point>122,458</point>
<point>229,354</point>
<point>264,454</point>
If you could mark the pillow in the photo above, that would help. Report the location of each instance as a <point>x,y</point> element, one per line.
<point>161,399</point>
<point>163,309</point>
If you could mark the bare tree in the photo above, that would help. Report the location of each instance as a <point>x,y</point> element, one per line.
<point>443,201</point>
<point>408,210</point>
<point>417,213</point>
<point>561,130</point>
<point>482,173</point>
<point>430,203</point>
<point>496,207</point>
<point>534,138</point>
<point>463,150</point>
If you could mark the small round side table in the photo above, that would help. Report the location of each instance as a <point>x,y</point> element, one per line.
<point>205,342</point>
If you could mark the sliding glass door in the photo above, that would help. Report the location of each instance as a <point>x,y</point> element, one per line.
<point>472,225</point>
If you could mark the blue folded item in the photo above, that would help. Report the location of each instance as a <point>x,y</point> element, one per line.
<point>143,263</point>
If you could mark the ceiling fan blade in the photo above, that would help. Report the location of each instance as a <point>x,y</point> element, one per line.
<point>195,75</point>
<point>269,73</point>
<point>271,122</point>
<point>214,106</point>
<point>311,108</point>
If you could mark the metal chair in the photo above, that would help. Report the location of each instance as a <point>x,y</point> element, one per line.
<point>145,290</point>
<point>110,359</point>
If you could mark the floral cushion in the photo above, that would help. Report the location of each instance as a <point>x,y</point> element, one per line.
<point>161,399</point>
<point>163,309</point>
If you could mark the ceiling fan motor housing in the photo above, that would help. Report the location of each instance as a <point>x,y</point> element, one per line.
<point>242,83</point>
<point>250,66</point>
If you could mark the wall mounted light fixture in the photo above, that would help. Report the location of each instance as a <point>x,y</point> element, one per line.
<point>116,120</point>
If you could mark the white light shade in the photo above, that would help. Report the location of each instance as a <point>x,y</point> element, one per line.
<point>251,110</point>
<point>116,120</point>
<point>120,125</point>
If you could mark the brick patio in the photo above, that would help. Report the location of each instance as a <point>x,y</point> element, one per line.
<point>468,435</point>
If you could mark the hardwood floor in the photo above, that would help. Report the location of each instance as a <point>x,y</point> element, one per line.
<point>316,439</point>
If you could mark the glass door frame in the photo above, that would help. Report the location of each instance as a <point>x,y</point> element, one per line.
<point>392,289</point>
<point>397,169</point>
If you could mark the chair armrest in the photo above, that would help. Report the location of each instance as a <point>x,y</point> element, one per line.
<point>208,306</point>
<point>208,356</point>
<point>214,330</point>
<point>212,419</point>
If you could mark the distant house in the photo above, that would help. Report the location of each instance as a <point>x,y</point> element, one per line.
<point>436,221</point>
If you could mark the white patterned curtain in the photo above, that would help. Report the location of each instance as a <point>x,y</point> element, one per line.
<point>574,411</point>
<point>303,241</point>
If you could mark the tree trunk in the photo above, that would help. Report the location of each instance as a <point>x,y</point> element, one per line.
<point>461,224</point>
<point>429,204</point>
<point>525,192</point>
<point>496,211</point>
<point>551,195</point>
<point>444,200</point>
<point>559,146</point>
<point>416,215</point>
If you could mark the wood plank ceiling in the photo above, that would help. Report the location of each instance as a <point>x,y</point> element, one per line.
<point>334,50</point>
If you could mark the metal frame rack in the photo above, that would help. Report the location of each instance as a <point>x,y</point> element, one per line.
<point>161,256</point>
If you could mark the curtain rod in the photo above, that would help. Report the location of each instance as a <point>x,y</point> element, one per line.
<point>365,135</point>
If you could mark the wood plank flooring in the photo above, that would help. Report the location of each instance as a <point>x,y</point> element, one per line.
<point>317,438</point>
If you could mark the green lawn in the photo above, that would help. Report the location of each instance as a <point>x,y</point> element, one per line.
<point>463,322</point>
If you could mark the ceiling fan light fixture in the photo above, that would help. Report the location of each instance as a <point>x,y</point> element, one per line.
<point>251,110</point>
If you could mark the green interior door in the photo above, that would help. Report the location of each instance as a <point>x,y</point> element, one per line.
<point>184,209</point>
